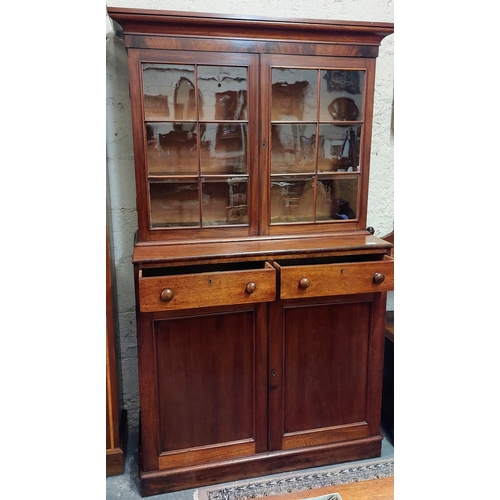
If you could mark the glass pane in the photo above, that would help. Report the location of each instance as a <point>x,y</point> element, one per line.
<point>345,196</point>
<point>156,98</point>
<point>224,201</point>
<point>337,197</point>
<point>292,199</point>
<point>168,88</point>
<point>339,148</point>
<point>174,204</point>
<point>341,97</point>
<point>294,94</point>
<point>223,148</point>
<point>224,90</point>
<point>172,148</point>
<point>293,148</point>
<point>324,201</point>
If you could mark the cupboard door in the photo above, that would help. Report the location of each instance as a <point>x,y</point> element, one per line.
<point>325,370</point>
<point>317,123</point>
<point>209,400</point>
<point>195,136</point>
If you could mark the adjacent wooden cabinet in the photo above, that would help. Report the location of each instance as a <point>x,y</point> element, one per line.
<point>115,417</point>
<point>260,291</point>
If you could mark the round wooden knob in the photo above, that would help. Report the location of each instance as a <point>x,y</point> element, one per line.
<point>304,283</point>
<point>167,295</point>
<point>378,277</point>
<point>251,287</point>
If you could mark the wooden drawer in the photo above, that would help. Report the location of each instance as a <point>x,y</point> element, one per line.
<point>206,286</point>
<point>337,278</point>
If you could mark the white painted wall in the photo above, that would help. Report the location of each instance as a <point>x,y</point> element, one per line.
<point>122,215</point>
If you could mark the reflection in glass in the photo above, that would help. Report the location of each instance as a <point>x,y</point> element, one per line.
<point>223,148</point>
<point>343,81</point>
<point>174,203</point>
<point>156,102</point>
<point>339,149</point>
<point>224,90</point>
<point>156,107</point>
<point>224,201</point>
<point>185,99</point>
<point>172,148</point>
<point>292,199</point>
<point>293,147</point>
<point>166,85</point>
<point>337,197</point>
<point>345,199</point>
<point>294,94</point>
<point>341,95</point>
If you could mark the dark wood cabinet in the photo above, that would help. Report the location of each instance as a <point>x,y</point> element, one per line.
<point>260,292</point>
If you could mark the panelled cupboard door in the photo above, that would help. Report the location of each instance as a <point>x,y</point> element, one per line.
<point>209,400</point>
<point>316,132</point>
<point>323,353</point>
<point>195,128</point>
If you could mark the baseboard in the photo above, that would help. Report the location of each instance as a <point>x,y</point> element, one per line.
<point>164,481</point>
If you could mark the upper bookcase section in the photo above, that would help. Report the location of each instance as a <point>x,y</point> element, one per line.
<point>246,127</point>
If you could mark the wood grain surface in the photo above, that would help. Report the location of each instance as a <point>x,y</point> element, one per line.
<point>375,489</point>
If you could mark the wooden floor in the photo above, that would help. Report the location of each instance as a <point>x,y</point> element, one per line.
<point>375,489</point>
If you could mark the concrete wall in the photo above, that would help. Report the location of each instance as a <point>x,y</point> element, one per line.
<point>121,206</point>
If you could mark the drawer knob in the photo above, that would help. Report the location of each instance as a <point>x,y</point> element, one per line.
<point>304,283</point>
<point>378,277</point>
<point>251,287</point>
<point>167,295</point>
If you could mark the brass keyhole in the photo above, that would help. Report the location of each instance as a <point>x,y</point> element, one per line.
<point>210,282</point>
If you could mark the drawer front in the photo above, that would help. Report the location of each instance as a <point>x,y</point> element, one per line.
<point>336,279</point>
<point>208,289</point>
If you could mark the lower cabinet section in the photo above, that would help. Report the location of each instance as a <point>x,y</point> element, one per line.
<point>257,387</point>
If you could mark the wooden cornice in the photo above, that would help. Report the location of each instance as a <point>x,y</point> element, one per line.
<point>128,21</point>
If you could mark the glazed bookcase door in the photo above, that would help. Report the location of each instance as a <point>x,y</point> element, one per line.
<point>315,143</point>
<point>196,118</point>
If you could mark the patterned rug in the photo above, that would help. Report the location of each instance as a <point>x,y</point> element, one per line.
<point>292,483</point>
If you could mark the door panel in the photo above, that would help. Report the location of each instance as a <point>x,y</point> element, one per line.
<point>205,380</point>
<point>211,375</point>
<point>197,175</point>
<point>325,361</point>
<point>320,356</point>
<point>316,143</point>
